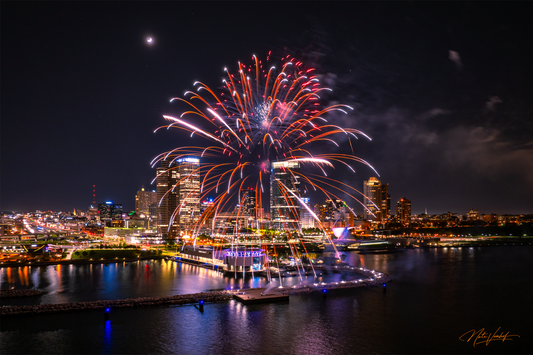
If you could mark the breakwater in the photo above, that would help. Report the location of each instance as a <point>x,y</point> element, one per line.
<point>208,297</point>
<point>19,293</point>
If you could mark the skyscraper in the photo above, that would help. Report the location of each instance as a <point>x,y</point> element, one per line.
<point>248,205</point>
<point>284,185</point>
<point>385,202</point>
<point>403,211</point>
<point>178,190</point>
<point>167,199</point>
<point>189,193</point>
<point>143,200</point>
<point>372,189</point>
<point>306,219</point>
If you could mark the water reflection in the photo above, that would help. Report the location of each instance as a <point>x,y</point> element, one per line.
<point>455,288</point>
<point>107,337</point>
<point>152,278</point>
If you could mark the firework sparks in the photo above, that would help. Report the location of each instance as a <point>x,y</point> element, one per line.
<point>261,115</point>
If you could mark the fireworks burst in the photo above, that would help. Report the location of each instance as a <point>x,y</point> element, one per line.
<point>262,115</point>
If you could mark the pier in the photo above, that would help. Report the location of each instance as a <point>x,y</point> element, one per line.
<point>261,295</point>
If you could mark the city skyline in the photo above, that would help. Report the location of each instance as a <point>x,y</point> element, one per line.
<point>85,80</point>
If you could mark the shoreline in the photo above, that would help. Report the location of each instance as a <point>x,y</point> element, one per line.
<point>161,257</point>
<point>77,261</point>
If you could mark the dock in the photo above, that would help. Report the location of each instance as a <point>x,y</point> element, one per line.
<point>261,295</point>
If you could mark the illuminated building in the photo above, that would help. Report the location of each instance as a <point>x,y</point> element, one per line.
<point>143,200</point>
<point>232,260</point>
<point>372,189</point>
<point>329,210</point>
<point>284,187</point>
<point>306,219</point>
<point>385,202</point>
<point>403,211</point>
<point>249,206</point>
<point>108,211</point>
<point>178,189</point>
<point>165,182</point>
<point>320,211</point>
<point>152,209</point>
<point>472,215</point>
<point>344,216</point>
<point>189,193</point>
<point>334,213</point>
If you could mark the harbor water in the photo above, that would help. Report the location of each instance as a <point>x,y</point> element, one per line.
<point>435,296</point>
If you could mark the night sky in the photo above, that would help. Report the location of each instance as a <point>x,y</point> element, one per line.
<point>445,90</point>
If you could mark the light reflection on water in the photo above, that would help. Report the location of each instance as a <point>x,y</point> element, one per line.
<point>107,337</point>
<point>149,278</point>
<point>435,296</point>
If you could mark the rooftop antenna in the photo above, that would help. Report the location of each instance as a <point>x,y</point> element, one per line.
<point>94,195</point>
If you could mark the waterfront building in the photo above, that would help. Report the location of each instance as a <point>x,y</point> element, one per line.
<point>372,190</point>
<point>178,190</point>
<point>284,187</point>
<point>403,211</point>
<point>231,260</point>
<point>143,200</point>
<point>189,193</point>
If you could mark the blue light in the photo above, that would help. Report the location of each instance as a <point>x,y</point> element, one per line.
<point>384,285</point>
<point>109,202</point>
<point>201,301</point>
<point>324,290</point>
<point>107,310</point>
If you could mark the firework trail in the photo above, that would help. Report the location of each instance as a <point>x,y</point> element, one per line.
<point>262,114</point>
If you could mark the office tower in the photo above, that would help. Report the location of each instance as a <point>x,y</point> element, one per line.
<point>178,195</point>
<point>306,219</point>
<point>152,210</point>
<point>385,202</point>
<point>284,185</point>
<point>143,200</point>
<point>166,181</point>
<point>372,189</point>
<point>108,211</point>
<point>331,207</point>
<point>189,193</point>
<point>248,203</point>
<point>403,211</point>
